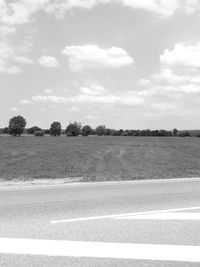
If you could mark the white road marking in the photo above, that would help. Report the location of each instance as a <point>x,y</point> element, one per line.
<point>117,216</point>
<point>62,248</point>
<point>163,216</point>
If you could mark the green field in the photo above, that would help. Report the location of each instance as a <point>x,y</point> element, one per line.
<point>99,158</point>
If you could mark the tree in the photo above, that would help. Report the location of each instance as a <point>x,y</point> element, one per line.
<point>86,130</point>
<point>16,125</point>
<point>73,129</point>
<point>175,132</point>
<point>184,134</point>
<point>55,129</point>
<point>46,131</point>
<point>100,130</point>
<point>5,130</point>
<point>33,129</point>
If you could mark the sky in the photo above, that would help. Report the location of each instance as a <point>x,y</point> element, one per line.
<point>131,64</point>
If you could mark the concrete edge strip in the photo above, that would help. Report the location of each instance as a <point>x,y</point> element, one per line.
<point>64,248</point>
<point>62,185</point>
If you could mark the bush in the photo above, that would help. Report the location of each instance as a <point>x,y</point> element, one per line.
<point>33,129</point>
<point>184,134</point>
<point>46,131</point>
<point>39,133</point>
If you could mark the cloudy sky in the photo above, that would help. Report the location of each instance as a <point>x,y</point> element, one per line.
<point>122,63</point>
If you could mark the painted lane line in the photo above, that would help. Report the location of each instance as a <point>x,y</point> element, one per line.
<point>61,248</point>
<point>163,216</point>
<point>113,216</point>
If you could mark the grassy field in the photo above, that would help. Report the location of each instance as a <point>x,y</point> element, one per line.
<point>99,158</point>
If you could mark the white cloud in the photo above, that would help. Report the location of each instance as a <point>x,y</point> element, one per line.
<point>14,109</point>
<point>182,55</point>
<point>167,76</point>
<point>144,82</point>
<point>6,30</point>
<point>91,117</point>
<point>93,89</point>
<point>21,11</point>
<point>161,7</point>
<point>25,102</point>
<point>128,99</point>
<point>8,70</point>
<point>191,6</point>
<point>26,47</point>
<point>190,88</point>
<point>43,109</point>
<point>48,61</point>
<point>59,7</point>
<point>22,59</point>
<point>73,109</point>
<point>171,83</point>
<point>166,82</point>
<point>165,107</point>
<point>48,91</point>
<point>7,52</point>
<point>91,56</point>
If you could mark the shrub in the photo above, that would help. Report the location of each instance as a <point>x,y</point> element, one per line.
<point>184,134</point>
<point>33,129</point>
<point>39,133</point>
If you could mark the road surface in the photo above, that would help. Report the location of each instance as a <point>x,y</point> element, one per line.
<point>142,223</point>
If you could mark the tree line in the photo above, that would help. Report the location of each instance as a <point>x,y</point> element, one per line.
<point>17,126</point>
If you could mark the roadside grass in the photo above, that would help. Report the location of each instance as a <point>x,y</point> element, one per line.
<point>99,158</point>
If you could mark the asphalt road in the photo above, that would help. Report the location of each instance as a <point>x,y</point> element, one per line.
<point>144,223</point>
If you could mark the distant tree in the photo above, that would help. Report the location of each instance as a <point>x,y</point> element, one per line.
<point>146,132</point>
<point>39,133</point>
<point>16,125</point>
<point>184,134</point>
<point>86,130</point>
<point>126,133</point>
<point>100,130</point>
<point>120,131</point>
<point>46,131</point>
<point>113,132</point>
<point>163,133</point>
<point>175,132</point>
<point>155,133</point>
<point>116,133</point>
<point>55,129</point>
<point>33,129</point>
<point>5,130</point>
<point>108,131</point>
<point>73,129</point>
